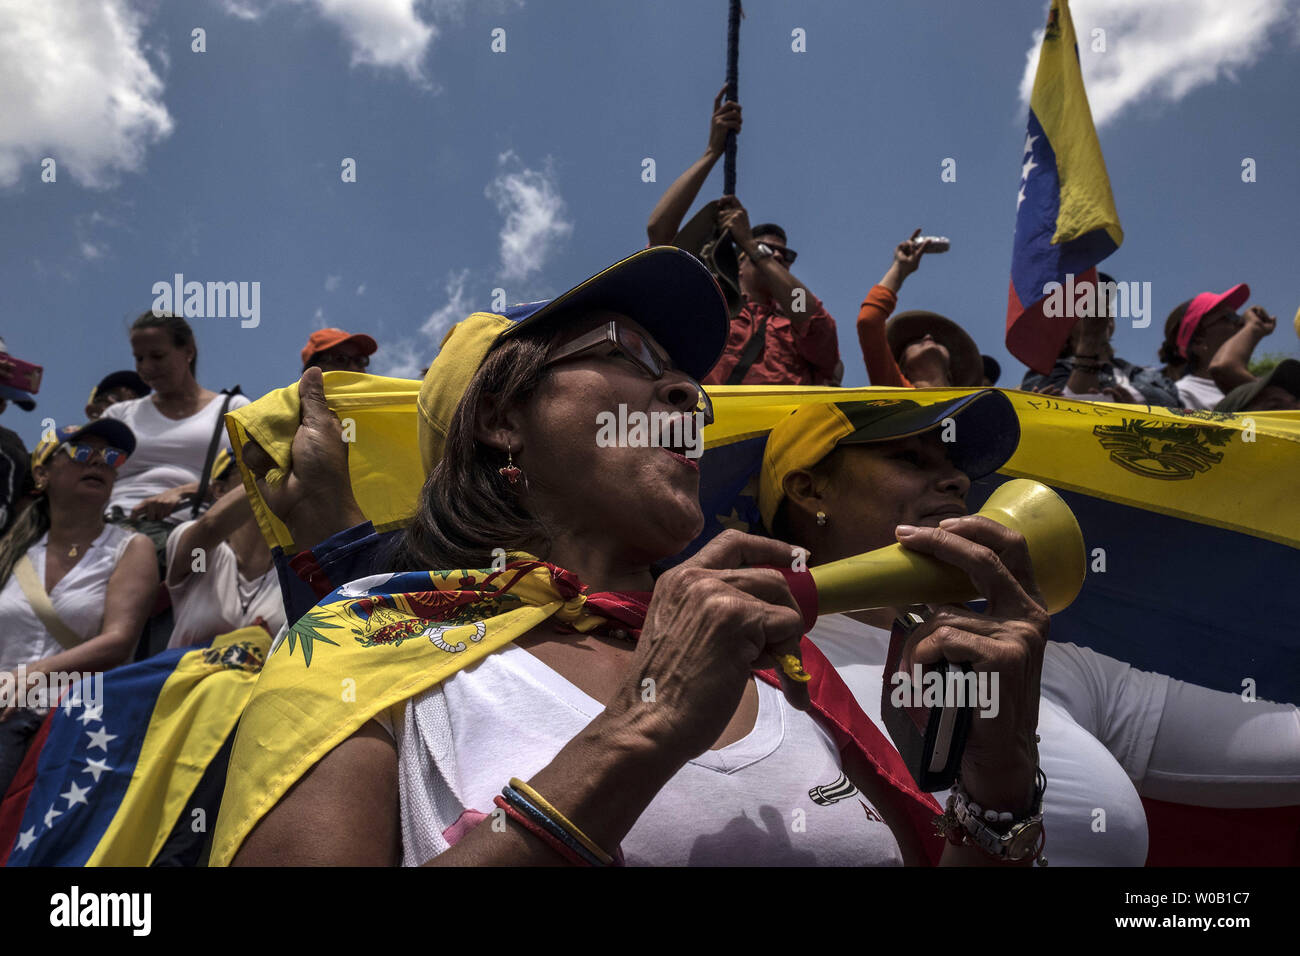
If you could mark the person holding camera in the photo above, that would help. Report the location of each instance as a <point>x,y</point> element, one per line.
<point>782,334</point>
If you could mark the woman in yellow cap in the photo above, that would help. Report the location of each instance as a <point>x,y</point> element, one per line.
<point>840,479</point>
<point>612,721</point>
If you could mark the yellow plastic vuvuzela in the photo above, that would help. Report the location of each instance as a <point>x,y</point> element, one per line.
<point>895,577</point>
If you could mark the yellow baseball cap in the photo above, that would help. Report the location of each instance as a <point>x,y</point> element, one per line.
<point>667,290</point>
<point>983,441</point>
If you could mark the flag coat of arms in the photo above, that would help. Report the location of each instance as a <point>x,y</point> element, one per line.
<point>1066,221</point>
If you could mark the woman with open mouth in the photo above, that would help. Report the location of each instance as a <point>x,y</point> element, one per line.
<point>74,590</point>
<point>539,697</point>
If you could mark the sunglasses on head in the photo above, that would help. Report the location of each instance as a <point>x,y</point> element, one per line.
<point>636,348</point>
<point>113,457</point>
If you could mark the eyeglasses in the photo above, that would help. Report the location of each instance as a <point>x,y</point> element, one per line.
<point>358,362</point>
<point>637,349</point>
<point>113,457</point>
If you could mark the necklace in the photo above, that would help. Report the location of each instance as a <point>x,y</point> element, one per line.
<point>250,588</point>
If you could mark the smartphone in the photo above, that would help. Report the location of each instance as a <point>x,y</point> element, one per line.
<point>931,739</point>
<point>16,373</point>
<point>936,243</point>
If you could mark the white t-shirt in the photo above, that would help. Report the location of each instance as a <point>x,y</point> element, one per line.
<point>1198,392</point>
<point>78,599</point>
<point>1109,731</point>
<point>749,803</point>
<point>219,599</point>
<point>168,452</point>
<point>1082,776</point>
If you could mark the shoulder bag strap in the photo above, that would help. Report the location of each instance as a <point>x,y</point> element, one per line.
<point>205,476</point>
<point>34,589</point>
<point>750,353</point>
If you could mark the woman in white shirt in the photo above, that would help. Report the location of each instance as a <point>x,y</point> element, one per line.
<point>91,584</point>
<point>219,568</point>
<point>845,478</point>
<point>664,743</point>
<point>173,427</point>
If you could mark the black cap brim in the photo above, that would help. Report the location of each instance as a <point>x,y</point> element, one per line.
<point>111,430</point>
<point>668,291</point>
<point>985,434</point>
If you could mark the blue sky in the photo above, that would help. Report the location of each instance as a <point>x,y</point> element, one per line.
<point>522,170</point>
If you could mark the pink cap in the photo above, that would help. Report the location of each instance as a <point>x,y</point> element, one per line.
<point>1203,305</point>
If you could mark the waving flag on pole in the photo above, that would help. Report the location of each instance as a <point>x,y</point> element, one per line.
<point>1065,215</point>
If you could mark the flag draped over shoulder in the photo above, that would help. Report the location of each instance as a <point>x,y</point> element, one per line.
<point>365,647</point>
<point>384,639</point>
<point>109,774</point>
<point>1066,221</point>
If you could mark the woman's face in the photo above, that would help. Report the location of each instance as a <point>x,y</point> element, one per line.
<point>158,361</point>
<point>922,356</point>
<point>869,490</point>
<point>69,482</point>
<point>645,498</point>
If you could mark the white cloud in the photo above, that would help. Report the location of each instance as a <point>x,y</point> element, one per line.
<point>332,283</point>
<point>244,9</point>
<point>361,289</point>
<point>319,317</point>
<point>406,358</point>
<point>380,33</point>
<point>91,250</point>
<point>534,216</point>
<point>1161,50</point>
<point>75,85</point>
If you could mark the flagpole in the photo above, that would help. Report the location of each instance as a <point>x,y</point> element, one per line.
<point>733,56</point>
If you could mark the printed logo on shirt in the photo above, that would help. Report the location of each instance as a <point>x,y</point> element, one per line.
<point>832,793</point>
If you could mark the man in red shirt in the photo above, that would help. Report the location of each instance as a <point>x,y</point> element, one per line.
<point>782,334</point>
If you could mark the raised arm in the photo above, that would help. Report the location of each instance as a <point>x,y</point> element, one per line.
<point>1230,366</point>
<point>215,525</point>
<point>671,209</point>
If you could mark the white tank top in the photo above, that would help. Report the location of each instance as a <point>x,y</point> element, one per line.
<point>777,796</point>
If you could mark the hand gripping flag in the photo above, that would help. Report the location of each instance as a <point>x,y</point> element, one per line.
<point>1065,216</point>
<point>110,776</point>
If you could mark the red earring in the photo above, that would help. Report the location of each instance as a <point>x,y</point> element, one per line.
<point>510,471</point>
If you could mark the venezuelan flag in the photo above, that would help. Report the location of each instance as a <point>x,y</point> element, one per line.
<point>1165,495</point>
<point>1189,520</point>
<point>1065,215</point>
<point>110,776</point>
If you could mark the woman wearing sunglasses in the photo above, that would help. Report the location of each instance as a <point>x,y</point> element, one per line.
<point>598,708</point>
<point>74,590</point>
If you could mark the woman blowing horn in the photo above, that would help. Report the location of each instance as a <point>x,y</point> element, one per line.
<point>843,478</point>
<point>603,714</point>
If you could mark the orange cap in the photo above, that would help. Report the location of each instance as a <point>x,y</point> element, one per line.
<point>323,339</point>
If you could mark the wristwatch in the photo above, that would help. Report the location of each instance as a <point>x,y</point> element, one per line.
<point>996,833</point>
<point>762,250</point>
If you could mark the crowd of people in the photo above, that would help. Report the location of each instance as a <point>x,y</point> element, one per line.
<point>133,532</point>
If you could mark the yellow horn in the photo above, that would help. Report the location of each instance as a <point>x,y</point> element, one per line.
<point>895,577</point>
